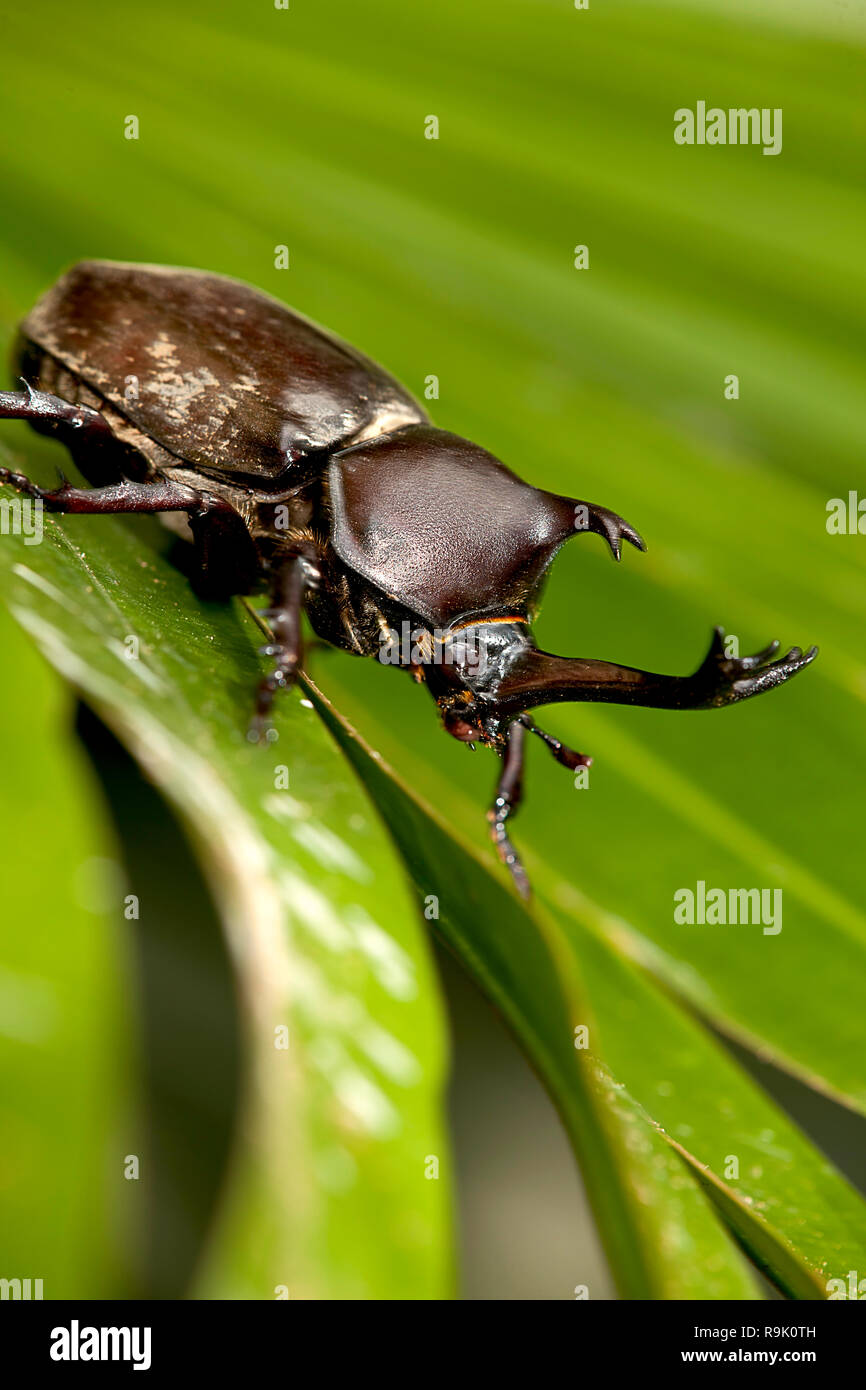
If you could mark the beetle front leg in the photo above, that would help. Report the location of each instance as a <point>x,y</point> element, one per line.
<point>294,578</point>
<point>509,792</point>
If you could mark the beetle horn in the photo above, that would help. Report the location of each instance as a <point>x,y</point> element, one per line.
<point>540,678</point>
<point>573,517</point>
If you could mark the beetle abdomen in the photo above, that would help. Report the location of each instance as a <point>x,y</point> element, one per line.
<point>218,373</point>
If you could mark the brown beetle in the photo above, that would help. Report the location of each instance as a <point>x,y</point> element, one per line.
<point>299,463</point>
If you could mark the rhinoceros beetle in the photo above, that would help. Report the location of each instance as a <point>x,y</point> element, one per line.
<point>290,459</point>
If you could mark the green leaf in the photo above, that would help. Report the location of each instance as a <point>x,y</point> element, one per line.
<point>338,1127</point>
<point>64,1041</point>
<point>660,1236</point>
<point>650,1075</point>
<point>798,1218</point>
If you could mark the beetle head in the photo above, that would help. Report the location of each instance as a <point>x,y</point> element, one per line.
<point>477,665</point>
<point>493,674</point>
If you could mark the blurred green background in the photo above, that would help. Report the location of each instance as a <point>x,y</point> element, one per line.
<point>454,258</point>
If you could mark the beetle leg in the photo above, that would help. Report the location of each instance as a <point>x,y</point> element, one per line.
<point>161,495</point>
<point>568,757</point>
<point>225,561</point>
<point>294,577</point>
<point>39,407</point>
<point>509,791</point>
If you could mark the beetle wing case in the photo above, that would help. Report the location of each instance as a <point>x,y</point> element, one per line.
<point>440,525</point>
<point>218,373</point>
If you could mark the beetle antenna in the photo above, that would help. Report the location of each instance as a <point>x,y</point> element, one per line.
<point>568,757</point>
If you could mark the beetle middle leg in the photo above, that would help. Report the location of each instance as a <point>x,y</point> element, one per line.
<point>225,555</point>
<point>293,578</point>
<point>160,495</point>
<point>509,792</point>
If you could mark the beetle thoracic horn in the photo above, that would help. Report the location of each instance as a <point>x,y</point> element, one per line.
<point>588,516</point>
<point>569,516</point>
<point>540,678</point>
